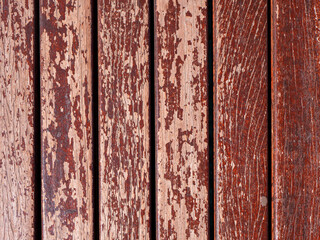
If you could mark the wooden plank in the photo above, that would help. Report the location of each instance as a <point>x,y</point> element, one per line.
<point>16,119</point>
<point>66,121</point>
<point>181,119</point>
<point>123,28</point>
<point>296,118</point>
<point>240,130</point>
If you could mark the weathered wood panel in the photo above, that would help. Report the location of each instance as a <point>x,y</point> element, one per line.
<point>181,119</point>
<point>16,119</point>
<point>240,130</point>
<point>65,44</point>
<point>296,119</point>
<point>123,28</point>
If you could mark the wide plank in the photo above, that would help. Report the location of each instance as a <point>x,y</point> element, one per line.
<point>16,119</point>
<point>66,121</point>
<point>240,119</point>
<point>124,132</point>
<point>181,119</point>
<point>296,119</point>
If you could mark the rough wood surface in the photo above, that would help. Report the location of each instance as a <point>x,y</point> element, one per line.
<point>123,28</point>
<point>16,119</point>
<point>65,39</point>
<point>181,119</point>
<point>296,119</point>
<point>241,134</point>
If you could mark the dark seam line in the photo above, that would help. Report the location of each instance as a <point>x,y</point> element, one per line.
<point>152,125</point>
<point>37,125</point>
<point>210,115</point>
<point>95,120</point>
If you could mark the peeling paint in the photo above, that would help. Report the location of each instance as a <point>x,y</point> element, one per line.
<point>65,39</point>
<point>181,119</point>
<point>16,120</point>
<point>124,119</point>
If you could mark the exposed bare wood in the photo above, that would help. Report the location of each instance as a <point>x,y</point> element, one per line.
<point>124,119</point>
<point>181,119</point>
<point>16,119</point>
<point>65,39</point>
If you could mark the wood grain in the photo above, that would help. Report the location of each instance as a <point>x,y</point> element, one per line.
<point>296,119</point>
<point>16,119</point>
<point>240,130</point>
<point>66,121</point>
<point>181,119</point>
<point>124,138</point>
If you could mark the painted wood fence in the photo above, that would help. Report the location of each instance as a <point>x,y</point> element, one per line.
<point>159,119</point>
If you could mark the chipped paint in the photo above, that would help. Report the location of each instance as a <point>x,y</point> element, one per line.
<point>16,119</point>
<point>181,119</point>
<point>65,39</point>
<point>124,119</point>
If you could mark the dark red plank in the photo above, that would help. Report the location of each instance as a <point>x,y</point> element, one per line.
<point>296,119</point>
<point>16,119</point>
<point>181,119</point>
<point>124,119</point>
<point>240,130</point>
<point>66,121</point>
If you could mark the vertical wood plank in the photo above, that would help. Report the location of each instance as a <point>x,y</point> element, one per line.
<point>241,133</point>
<point>16,119</point>
<point>296,118</point>
<point>181,119</point>
<point>66,122</point>
<point>124,119</point>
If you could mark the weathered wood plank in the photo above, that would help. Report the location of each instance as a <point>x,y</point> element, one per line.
<point>123,28</point>
<point>181,119</point>
<point>66,121</point>
<point>296,118</point>
<point>240,130</point>
<point>16,119</point>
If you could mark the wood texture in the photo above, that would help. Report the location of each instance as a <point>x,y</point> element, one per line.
<point>181,119</point>
<point>296,119</point>
<point>123,28</point>
<point>241,134</point>
<point>16,119</point>
<point>66,121</point>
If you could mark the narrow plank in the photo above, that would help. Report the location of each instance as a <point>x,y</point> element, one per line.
<point>296,119</point>
<point>241,124</point>
<point>16,119</point>
<point>66,121</point>
<point>181,119</point>
<point>123,28</point>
